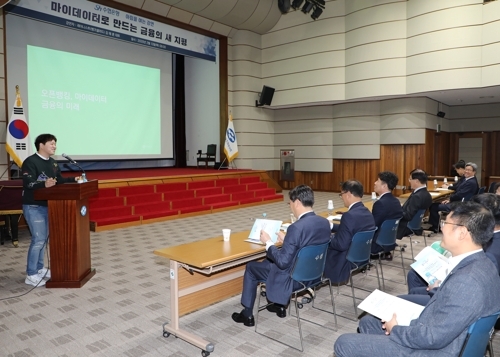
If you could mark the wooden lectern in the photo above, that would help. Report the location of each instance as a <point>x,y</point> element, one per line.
<point>69,233</point>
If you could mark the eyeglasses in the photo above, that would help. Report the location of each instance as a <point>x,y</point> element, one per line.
<point>469,170</point>
<point>442,223</point>
<point>340,194</point>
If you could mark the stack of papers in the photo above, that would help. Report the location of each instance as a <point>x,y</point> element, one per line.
<point>337,217</point>
<point>284,226</point>
<point>269,226</point>
<point>383,306</point>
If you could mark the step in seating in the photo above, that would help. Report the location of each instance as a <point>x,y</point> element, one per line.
<point>133,205</point>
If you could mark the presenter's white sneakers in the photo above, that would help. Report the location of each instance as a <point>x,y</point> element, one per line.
<point>35,280</point>
<point>44,273</point>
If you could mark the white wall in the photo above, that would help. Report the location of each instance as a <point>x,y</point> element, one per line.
<point>361,49</point>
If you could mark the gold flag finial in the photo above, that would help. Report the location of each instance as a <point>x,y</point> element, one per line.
<point>18,97</point>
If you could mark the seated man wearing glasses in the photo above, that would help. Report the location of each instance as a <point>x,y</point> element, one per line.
<point>308,229</point>
<point>357,219</point>
<point>464,192</point>
<point>441,328</point>
<point>421,293</point>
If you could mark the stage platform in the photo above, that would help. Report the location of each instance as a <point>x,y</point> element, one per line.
<point>135,197</point>
<point>156,172</point>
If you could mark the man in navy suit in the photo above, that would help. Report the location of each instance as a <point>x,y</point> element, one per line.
<point>441,328</point>
<point>357,219</point>
<point>419,199</point>
<point>464,192</point>
<point>308,229</point>
<point>386,207</point>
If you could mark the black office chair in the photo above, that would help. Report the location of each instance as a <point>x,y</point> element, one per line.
<point>492,187</point>
<point>208,156</point>
<point>481,190</point>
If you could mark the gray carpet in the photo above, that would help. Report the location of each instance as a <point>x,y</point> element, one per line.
<point>120,311</point>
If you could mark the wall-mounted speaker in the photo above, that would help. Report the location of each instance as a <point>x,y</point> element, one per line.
<point>266,96</point>
<point>441,114</point>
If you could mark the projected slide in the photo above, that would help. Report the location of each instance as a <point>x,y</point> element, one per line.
<point>106,107</point>
<point>103,99</point>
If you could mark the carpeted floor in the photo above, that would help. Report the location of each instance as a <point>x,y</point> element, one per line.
<point>120,311</point>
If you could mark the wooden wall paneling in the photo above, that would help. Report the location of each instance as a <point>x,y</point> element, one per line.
<point>432,142</point>
<point>454,147</point>
<point>443,155</point>
<point>486,159</point>
<point>493,153</point>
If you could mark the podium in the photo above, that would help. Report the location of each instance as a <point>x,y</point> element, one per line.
<point>69,233</point>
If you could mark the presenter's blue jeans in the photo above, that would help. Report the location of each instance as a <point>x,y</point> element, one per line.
<point>37,219</point>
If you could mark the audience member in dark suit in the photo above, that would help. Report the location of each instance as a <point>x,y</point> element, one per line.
<point>496,189</point>
<point>309,229</point>
<point>419,199</point>
<point>357,219</point>
<point>464,192</point>
<point>459,169</point>
<point>386,207</point>
<point>418,290</point>
<point>463,297</point>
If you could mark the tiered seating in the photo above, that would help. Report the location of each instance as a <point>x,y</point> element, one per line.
<point>132,205</point>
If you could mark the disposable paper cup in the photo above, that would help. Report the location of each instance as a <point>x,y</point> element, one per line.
<point>374,195</point>
<point>226,233</point>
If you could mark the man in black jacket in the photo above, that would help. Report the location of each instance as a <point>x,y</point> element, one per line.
<point>463,192</point>
<point>39,170</point>
<point>419,199</point>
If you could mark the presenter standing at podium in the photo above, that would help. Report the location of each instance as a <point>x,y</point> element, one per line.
<point>39,170</point>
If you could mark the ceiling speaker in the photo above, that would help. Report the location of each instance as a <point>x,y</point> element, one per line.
<point>441,114</point>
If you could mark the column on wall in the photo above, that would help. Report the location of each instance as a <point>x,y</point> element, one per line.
<point>254,126</point>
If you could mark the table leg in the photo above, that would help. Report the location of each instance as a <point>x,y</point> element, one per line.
<point>173,326</point>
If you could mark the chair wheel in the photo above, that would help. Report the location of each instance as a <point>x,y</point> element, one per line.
<point>306,300</point>
<point>263,294</point>
<point>166,334</point>
<point>300,306</point>
<point>205,353</point>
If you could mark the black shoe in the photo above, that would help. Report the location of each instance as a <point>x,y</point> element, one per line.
<point>434,229</point>
<point>280,310</point>
<point>241,319</point>
<point>388,256</point>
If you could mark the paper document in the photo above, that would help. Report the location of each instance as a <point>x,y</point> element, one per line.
<point>269,226</point>
<point>433,194</point>
<point>440,189</point>
<point>284,226</point>
<point>431,265</point>
<point>383,305</point>
<point>337,217</point>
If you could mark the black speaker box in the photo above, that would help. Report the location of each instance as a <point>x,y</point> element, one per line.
<point>266,96</point>
<point>441,114</point>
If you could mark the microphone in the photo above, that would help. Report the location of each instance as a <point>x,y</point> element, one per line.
<point>71,161</point>
<point>68,158</point>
